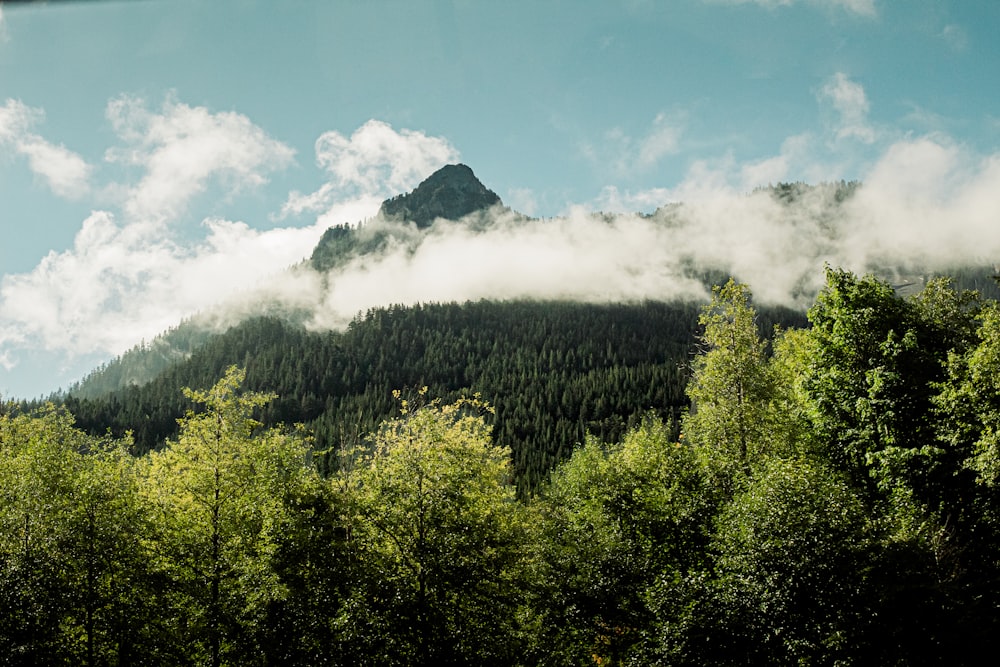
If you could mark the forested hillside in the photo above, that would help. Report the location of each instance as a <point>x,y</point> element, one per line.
<point>830,498</point>
<point>553,371</point>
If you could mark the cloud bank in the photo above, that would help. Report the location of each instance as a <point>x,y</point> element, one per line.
<point>927,204</point>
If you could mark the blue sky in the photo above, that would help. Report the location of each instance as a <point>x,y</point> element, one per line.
<point>157,157</point>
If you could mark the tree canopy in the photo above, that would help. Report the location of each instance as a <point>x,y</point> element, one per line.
<point>828,497</point>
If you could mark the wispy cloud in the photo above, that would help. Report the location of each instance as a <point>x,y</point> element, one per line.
<point>375,161</point>
<point>65,172</point>
<point>956,37</point>
<point>613,199</point>
<point>129,275</point>
<point>181,149</point>
<point>849,100</point>
<point>523,200</point>
<point>624,155</point>
<point>865,8</point>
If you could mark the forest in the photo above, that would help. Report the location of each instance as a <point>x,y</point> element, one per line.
<point>553,371</point>
<point>822,492</point>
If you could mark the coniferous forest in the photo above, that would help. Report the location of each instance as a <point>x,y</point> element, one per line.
<point>553,371</point>
<point>549,484</point>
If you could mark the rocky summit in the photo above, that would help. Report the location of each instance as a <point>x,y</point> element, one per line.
<point>452,192</point>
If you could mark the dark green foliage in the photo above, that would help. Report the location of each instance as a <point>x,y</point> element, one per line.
<point>452,192</point>
<point>554,372</point>
<point>792,551</point>
<point>621,527</point>
<point>879,359</point>
<point>886,385</point>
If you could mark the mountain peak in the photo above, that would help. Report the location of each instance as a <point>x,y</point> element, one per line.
<point>452,192</point>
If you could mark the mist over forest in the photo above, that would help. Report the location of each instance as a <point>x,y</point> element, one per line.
<point>777,239</point>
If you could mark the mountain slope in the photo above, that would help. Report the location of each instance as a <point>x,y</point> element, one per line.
<point>554,371</point>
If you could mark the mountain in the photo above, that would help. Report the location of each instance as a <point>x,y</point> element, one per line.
<point>556,369</point>
<point>455,193</point>
<point>452,192</point>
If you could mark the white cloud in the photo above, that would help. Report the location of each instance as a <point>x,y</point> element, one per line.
<point>375,160</point>
<point>932,202</point>
<point>662,140</point>
<point>130,275</point>
<point>797,160</point>
<point>182,149</point>
<point>927,204</point>
<point>614,200</point>
<point>623,155</point>
<point>65,172</point>
<point>16,118</point>
<point>581,257</point>
<point>523,200</point>
<point>118,284</point>
<point>864,8</point>
<point>849,100</point>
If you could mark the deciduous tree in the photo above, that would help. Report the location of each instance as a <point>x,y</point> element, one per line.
<point>219,495</point>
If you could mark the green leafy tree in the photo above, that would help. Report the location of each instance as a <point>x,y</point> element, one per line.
<point>622,529</point>
<point>792,550</point>
<point>219,495</point>
<point>317,568</point>
<point>439,539</point>
<point>878,360</point>
<point>888,373</point>
<point>734,418</point>
<point>74,581</point>
<point>969,403</point>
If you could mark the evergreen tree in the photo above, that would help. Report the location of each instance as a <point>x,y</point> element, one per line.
<point>219,496</point>
<point>733,421</point>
